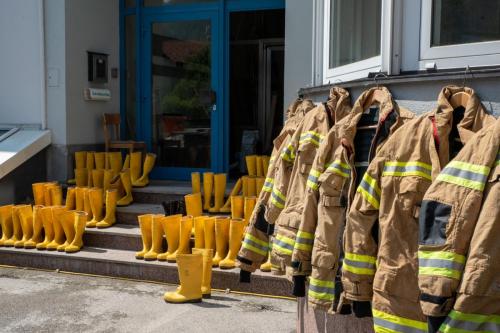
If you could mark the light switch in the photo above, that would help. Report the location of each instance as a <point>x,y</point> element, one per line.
<point>53,77</point>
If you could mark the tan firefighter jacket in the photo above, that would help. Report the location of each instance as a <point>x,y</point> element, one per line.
<point>381,236</point>
<point>459,245</point>
<point>286,203</point>
<point>329,186</point>
<point>255,248</point>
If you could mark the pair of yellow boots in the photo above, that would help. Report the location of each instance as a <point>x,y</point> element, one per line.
<point>257,165</point>
<point>213,185</point>
<point>99,207</point>
<point>23,226</point>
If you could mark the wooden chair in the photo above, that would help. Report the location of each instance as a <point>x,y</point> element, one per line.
<point>111,127</point>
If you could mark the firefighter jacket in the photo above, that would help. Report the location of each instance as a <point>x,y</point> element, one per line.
<point>287,198</point>
<point>459,251</point>
<point>381,236</point>
<point>255,248</point>
<point>329,188</point>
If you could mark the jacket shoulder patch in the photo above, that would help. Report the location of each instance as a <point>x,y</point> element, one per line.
<point>434,217</point>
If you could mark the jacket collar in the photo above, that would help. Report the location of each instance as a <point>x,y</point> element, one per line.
<point>339,103</point>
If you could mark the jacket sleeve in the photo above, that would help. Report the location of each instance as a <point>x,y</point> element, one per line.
<point>360,245</point>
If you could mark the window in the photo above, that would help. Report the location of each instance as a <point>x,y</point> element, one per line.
<point>460,33</point>
<point>352,38</point>
<point>149,3</point>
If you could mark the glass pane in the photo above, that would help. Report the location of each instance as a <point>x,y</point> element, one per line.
<point>130,51</point>
<point>465,21</point>
<point>354,31</point>
<point>182,98</point>
<point>149,3</point>
<point>129,3</point>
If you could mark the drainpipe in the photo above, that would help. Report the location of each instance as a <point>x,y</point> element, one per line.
<point>43,71</point>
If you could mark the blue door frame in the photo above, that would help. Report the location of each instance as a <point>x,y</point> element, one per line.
<point>219,13</point>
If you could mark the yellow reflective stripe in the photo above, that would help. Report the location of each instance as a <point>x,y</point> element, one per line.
<point>372,182</point>
<point>278,199</point>
<point>305,234</point>
<point>253,249</point>
<point>320,296</point>
<point>312,180</point>
<point>368,197</point>
<point>475,318</point>
<point>465,174</point>
<point>281,249</point>
<point>312,185</point>
<point>321,289</point>
<point>411,163</point>
<point>285,239</point>
<point>358,270</point>
<point>256,240</point>
<point>302,247</point>
<point>399,321</point>
<point>444,255</point>
<point>321,283</point>
<point>311,136</point>
<point>475,168</point>
<point>405,169</point>
<point>339,168</point>
<point>268,185</point>
<point>283,244</point>
<point>361,258</point>
<point>461,182</point>
<point>315,173</point>
<point>369,190</point>
<point>440,271</point>
<point>288,153</point>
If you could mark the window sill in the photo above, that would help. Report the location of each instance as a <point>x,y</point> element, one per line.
<point>408,77</point>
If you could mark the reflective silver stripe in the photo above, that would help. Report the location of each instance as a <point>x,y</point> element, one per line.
<point>312,178</point>
<point>440,263</point>
<point>471,326</point>
<point>395,327</point>
<point>336,165</point>
<point>252,243</point>
<point>282,244</point>
<point>359,264</point>
<point>326,290</point>
<point>469,175</point>
<point>277,198</point>
<point>364,185</point>
<point>408,168</point>
<point>304,240</point>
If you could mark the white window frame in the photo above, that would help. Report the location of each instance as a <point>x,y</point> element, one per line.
<point>360,69</point>
<point>453,56</point>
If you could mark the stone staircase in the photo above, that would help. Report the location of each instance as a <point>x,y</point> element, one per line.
<point>111,251</point>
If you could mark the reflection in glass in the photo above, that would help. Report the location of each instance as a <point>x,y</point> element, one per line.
<point>182,96</point>
<point>130,77</point>
<point>148,3</point>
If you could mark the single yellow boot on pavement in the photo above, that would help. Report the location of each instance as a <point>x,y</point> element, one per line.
<point>68,226</point>
<point>145,224</point>
<point>236,228</point>
<point>208,186</point>
<point>184,238</point>
<point>206,280</point>
<point>235,191</point>
<point>96,197</point>
<point>157,238</point>
<point>25,213</point>
<point>221,239</point>
<point>37,228</point>
<point>110,217</point>
<point>209,230</point>
<point>79,221</point>
<point>6,223</point>
<point>48,228</point>
<point>195,182</point>
<point>149,164</point>
<point>57,213</point>
<point>220,191</point>
<point>127,185</point>
<point>135,166</point>
<point>193,204</point>
<point>190,267</point>
<point>171,228</point>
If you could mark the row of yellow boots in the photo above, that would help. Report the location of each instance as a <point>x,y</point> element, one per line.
<point>42,227</point>
<point>99,169</point>
<point>257,166</point>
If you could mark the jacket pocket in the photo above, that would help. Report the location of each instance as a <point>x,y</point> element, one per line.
<point>401,283</point>
<point>410,192</point>
<point>322,257</point>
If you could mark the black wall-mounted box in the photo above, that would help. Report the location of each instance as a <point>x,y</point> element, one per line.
<point>97,67</point>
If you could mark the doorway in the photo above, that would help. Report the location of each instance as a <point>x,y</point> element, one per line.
<point>256,84</point>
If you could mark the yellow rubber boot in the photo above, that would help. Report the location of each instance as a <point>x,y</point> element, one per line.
<point>87,207</point>
<point>171,228</point>
<point>96,198</point>
<point>237,204</point>
<point>236,229</point>
<point>80,219</point>
<point>17,231</point>
<point>259,166</point>
<point>199,232</point>
<point>221,239</point>
<point>56,195</point>
<point>149,164</point>
<point>89,166</point>
<point>81,176</point>
<point>38,193</point>
<point>235,191</point>
<point>145,224</point>
<point>206,280</point>
<point>193,204</point>
<point>220,191</point>
<point>70,198</point>
<point>157,238</point>
<point>126,163</point>
<point>195,182</point>
<point>249,207</point>
<point>251,191</point>
<point>80,162</point>
<point>37,228</point>
<point>68,226</point>
<point>244,186</point>
<point>80,198</point>
<point>208,185</point>
<point>115,162</point>
<point>259,184</point>
<point>100,160</point>
<point>266,267</point>
<point>98,178</point>
<point>107,179</point>
<point>135,166</point>
<point>6,223</point>
<point>25,213</point>
<point>57,212</point>
<point>110,217</point>
<point>190,267</point>
<point>48,228</point>
<point>210,233</point>
<point>184,238</point>
<point>251,165</point>
<point>265,164</point>
<point>127,186</point>
<point>47,197</point>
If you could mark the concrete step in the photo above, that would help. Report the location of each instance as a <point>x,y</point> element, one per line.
<point>119,236</point>
<point>128,214</point>
<point>122,263</point>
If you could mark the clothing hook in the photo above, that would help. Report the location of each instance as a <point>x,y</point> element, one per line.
<point>467,69</point>
<point>377,75</point>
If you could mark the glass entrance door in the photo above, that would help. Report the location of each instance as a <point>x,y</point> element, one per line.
<point>181,98</point>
